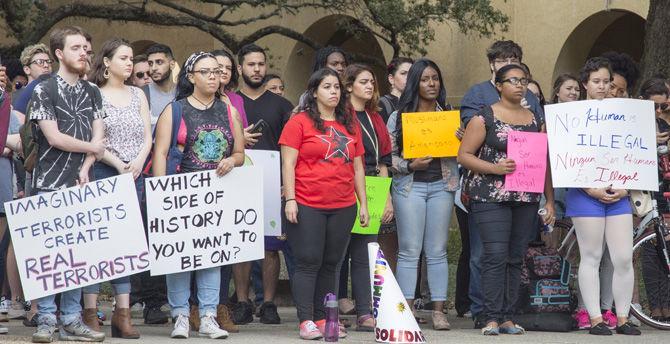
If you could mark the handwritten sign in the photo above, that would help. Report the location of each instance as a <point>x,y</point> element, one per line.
<point>268,161</point>
<point>377,191</point>
<point>430,134</point>
<point>79,236</point>
<point>529,152</point>
<point>200,220</point>
<point>597,143</point>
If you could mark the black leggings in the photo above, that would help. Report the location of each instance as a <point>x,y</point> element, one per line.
<point>318,242</point>
<point>504,229</point>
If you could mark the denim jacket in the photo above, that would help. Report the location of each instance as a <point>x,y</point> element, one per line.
<point>403,178</point>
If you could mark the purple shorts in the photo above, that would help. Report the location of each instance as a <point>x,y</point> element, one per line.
<point>579,204</point>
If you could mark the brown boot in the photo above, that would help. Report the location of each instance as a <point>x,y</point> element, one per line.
<point>90,318</point>
<point>194,318</point>
<point>121,325</point>
<point>224,319</point>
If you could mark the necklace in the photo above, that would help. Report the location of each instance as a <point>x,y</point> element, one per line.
<point>207,106</point>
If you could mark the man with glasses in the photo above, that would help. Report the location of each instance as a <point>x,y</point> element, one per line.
<point>500,54</point>
<point>36,62</point>
<point>141,72</point>
<point>163,90</point>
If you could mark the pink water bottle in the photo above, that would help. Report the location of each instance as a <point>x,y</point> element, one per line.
<point>332,330</point>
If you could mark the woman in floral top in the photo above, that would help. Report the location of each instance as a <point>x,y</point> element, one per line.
<point>505,217</point>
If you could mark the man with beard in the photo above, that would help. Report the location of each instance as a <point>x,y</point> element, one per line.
<point>162,91</point>
<point>275,111</point>
<point>70,136</point>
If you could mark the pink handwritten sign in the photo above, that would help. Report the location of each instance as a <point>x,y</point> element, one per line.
<point>529,152</point>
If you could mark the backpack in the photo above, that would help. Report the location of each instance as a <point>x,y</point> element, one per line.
<point>174,154</point>
<point>545,283</point>
<point>29,128</point>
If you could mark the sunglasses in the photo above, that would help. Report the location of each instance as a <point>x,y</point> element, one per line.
<point>140,75</point>
<point>661,106</point>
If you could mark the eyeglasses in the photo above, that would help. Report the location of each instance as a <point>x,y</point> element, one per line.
<point>41,62</point>
<point>141,75</point>
<point>511,60</point>
<point>209,72</point>
<point>661,106</point>
<point>516,81</point>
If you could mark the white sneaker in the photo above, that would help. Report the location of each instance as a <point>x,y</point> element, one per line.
<point>17,310</point>
<point>5,304</point>
<point>181,327</point>
<point>210,328</point>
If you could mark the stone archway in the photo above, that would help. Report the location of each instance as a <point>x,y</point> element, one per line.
<point>325,31</point>
<point>613,30</point>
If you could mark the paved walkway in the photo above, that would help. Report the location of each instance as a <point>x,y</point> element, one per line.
<point>256,332</point>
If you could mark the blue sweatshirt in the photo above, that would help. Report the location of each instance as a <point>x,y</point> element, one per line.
<point>485,94</point>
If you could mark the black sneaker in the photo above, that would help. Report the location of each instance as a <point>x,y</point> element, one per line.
<point>155,316</point>
<point>600,330</point>
<point>269,315</point>
<point>243,313</point>
<point>628,329</point>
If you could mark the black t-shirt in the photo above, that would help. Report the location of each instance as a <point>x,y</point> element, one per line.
<point>273,109</point>
<point>371,147</point>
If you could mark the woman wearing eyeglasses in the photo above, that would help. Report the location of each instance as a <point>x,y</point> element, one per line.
<point>204,116</point>
<point>505,218</point>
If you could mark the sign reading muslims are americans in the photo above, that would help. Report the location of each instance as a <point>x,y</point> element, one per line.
<point>598,143</point>
<point>79,236</point>
<point>199,220</point>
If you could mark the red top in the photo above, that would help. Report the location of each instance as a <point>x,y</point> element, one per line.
<point>324,171</point>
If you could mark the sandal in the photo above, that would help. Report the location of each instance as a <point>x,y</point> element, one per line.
<point>490,330</point>
<point>360,323</point>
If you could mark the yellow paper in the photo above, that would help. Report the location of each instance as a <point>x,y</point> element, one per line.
<point>430,134</point>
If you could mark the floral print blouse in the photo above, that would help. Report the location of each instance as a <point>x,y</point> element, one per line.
<point>491,187</point>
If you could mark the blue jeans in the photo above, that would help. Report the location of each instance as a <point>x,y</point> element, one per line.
<point>121,285</point>
<point>476,248</point>
<point>423,216</point>
<point>179,290</point>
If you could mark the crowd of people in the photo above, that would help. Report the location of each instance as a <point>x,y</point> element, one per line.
<point>102,114</point>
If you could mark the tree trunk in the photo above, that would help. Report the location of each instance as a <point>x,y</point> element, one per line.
<point>656,55</point>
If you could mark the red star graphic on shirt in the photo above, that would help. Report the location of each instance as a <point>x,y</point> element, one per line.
<point>337,144</point>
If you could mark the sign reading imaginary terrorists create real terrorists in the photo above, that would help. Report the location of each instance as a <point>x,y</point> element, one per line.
<point>598,143</point>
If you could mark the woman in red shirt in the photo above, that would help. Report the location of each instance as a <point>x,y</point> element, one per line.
<point>322,165</point>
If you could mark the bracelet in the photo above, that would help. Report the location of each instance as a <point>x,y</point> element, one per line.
<point>291,199</point>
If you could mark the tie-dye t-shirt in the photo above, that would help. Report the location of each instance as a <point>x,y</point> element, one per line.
<point>74,113</point>
<point>209,137</point>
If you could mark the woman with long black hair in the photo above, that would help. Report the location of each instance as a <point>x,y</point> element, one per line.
<point>323,173</point>
<point>203,112</point>
<point>423,193</point>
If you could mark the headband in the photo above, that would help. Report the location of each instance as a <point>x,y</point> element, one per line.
<point>190,62</point>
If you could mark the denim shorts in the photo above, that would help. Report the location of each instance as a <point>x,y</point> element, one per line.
<point>579,204</point>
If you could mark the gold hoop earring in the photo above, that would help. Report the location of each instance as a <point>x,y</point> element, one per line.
<point>105,74</point>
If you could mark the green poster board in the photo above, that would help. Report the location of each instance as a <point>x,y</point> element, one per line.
<point>377,190</point>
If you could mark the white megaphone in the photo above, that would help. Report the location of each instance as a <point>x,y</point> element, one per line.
<point>395,322</point>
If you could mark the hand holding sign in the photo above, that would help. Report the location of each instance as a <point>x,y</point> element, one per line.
<point>528,152</point>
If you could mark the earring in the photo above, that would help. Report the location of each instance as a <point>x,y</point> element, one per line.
<point>105,74</point>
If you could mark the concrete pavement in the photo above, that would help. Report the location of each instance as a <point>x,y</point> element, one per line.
<point>286,332</point>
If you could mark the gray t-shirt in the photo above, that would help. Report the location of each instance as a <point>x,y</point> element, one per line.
<point>158,101</point>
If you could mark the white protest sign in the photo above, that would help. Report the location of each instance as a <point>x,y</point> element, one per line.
<point>269,162</point>
<point>79,236</point>
<point>200,220</point>
<point>597,143</point>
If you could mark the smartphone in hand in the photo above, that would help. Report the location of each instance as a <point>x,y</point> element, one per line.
<point>259,127</point>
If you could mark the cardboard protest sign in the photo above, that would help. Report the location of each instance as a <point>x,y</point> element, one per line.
<point>200,220</point>
<point>377,191</point>
<point>78,236</point>
<point>598,143</point>
<point>268,161</point>
<point>395,322</point>
<point>529,152</point>
<point>430,134</point>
